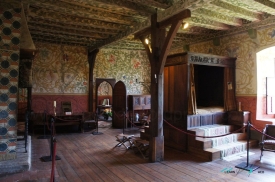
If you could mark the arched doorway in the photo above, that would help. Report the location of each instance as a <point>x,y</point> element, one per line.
<point>104,95</point>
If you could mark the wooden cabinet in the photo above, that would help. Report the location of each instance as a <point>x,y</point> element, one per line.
<point>137,104</point>
<point>238,118</point>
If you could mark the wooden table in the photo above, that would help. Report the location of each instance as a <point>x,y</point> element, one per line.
<point>65,120</point>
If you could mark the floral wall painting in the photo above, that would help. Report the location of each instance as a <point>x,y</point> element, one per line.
<point>243,48</point>
<point>55,75</point>
<point>128,66</point>
<point>104,89</point>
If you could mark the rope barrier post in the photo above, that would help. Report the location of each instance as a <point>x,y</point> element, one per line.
<point>50,157</point>
<point>124,122</point>
<point>44,125</point>
<point>245,165</point>
<point>96,132</point>
<point>53,161</point>
<point>26,129</point>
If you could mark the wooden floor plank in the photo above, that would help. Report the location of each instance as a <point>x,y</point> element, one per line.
<point>87,157</point>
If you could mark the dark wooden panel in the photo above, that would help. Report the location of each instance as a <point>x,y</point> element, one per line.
<point>220,118</point>
<point>171,85</point>
<point>166,89</point>
<point>175,139</point>
<point>119,104</point>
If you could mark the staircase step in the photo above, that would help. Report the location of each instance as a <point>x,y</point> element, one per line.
<point>206,130</point>
<point>211,154</point>
<point>204,143</point>
<point>224,145</point>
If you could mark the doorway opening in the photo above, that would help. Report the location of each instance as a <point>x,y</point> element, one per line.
<point>104,98</point>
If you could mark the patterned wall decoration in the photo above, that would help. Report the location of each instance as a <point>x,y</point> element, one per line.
<point>9,71</point>
<point>244,47</point>
<point>104,89</point>
<point>59,69</point>
<point>44,103</point>
<point>130,67</point>
<point>60,73</point>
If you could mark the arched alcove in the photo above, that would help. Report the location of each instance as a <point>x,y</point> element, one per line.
<point>104,90</point>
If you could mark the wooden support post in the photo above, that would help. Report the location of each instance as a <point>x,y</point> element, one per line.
<point>91,60</point>
<point>160,46</point>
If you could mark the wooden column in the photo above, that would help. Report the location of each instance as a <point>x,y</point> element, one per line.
<point>160,45</point>
<point>156,151</point>
<point>91,60</point>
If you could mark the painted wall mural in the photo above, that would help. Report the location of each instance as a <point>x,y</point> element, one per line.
<point>59,69</point>
<point>130,67</point>
<point>244,46</point>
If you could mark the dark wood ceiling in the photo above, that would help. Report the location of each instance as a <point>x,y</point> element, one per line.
<point>113,23</point>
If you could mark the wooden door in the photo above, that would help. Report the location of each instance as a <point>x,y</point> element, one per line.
<point>119,105</point>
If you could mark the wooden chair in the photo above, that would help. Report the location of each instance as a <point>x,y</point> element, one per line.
<point>89,118</point>
<point>122,139</point>
<point>140,146</point>
<point>267,143</point>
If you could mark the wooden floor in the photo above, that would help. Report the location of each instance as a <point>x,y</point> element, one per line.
<point>86,157</point>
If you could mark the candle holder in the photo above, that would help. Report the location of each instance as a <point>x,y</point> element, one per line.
<point>240,107</point>
<point>54,108</point>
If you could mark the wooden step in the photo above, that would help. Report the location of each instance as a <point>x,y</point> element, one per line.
<point>204,143</point>
<point>211,154</point>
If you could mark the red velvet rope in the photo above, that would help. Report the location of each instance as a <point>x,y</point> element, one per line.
<point>133,123</point>
<point>122,115</point>
<point>202,136</point>
<point>262,132</point>
<point>60,119</point>
<point>186,132</point>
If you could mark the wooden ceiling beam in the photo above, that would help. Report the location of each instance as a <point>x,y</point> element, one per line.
<point>233,10</point>
<point>153,3</point>
<point>168,41</point>
<point>71,27</point>
<point>130,5</point>
<point>193,30</point>
<point>206,23</point>
<point>65,33</point>
<point>176,8</point>
<point>270,6</point>
<point>78,22</point>
<point>46,9</point>
<point>218,17</point>
<point>64,30</point>
<point>256,6</point>
<point>58,40</point>
<point>165,23</point>
<point>65,37</point>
